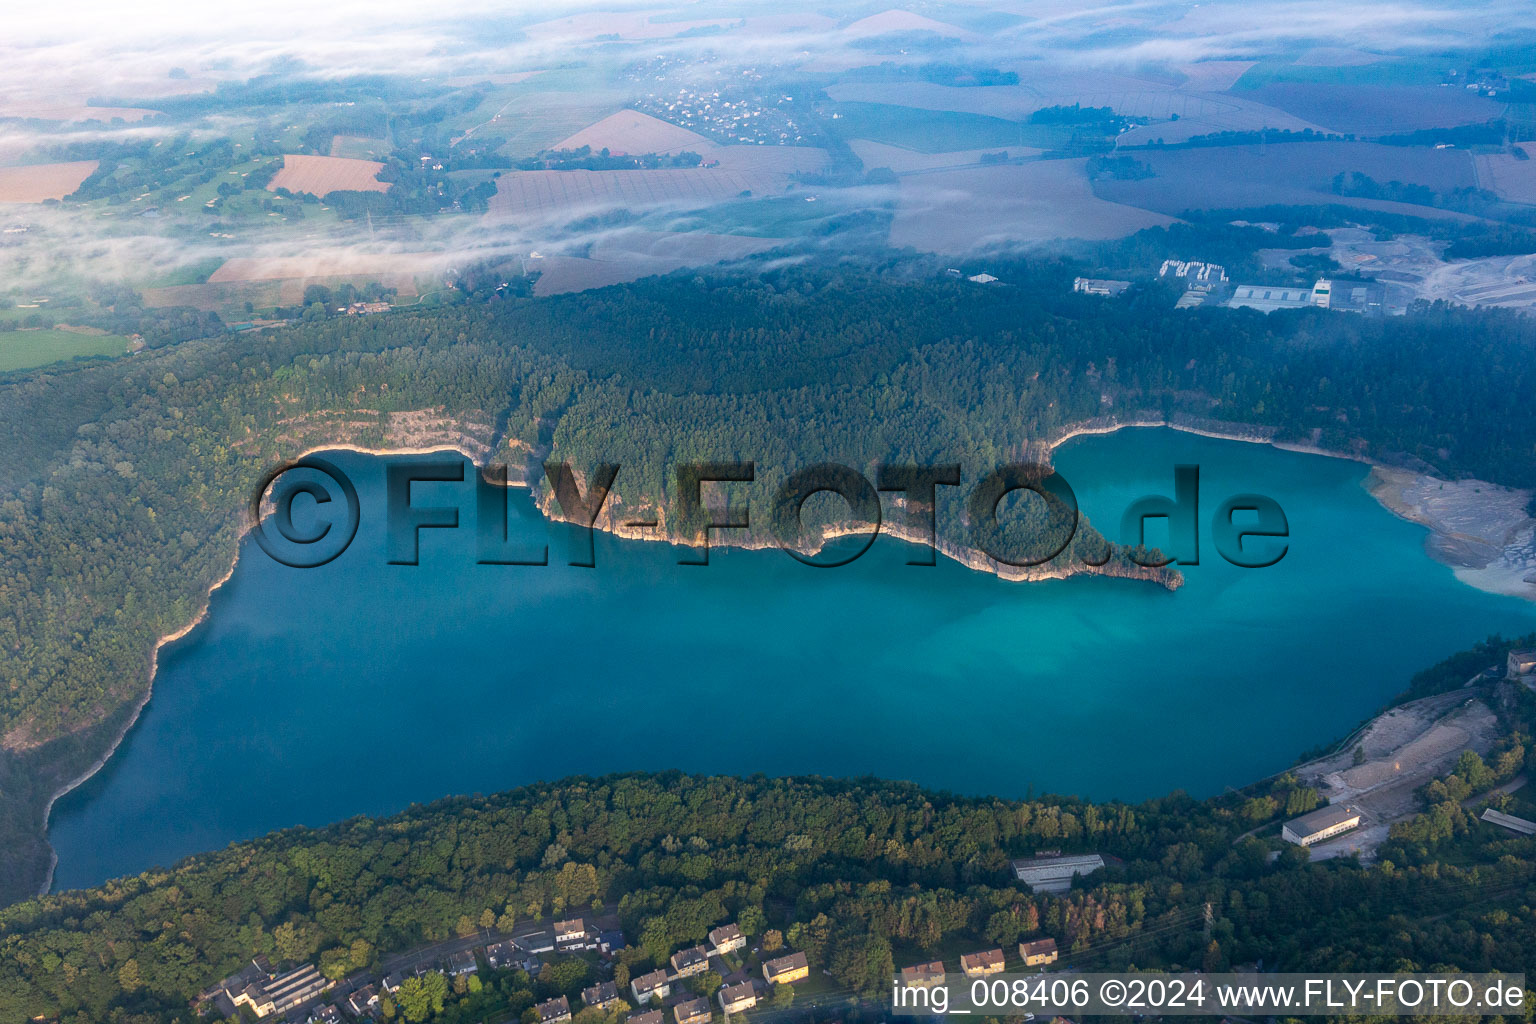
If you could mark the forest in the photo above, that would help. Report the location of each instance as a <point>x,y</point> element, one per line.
<point>122,484</point>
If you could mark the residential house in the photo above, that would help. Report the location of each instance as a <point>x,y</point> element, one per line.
<point>688,962</point>
<point>1038,953</point>
<point>979,965</point>
<point>536,942</point>
<point>573,930</point>
<point>655,985</point>
<point>325,1014</point>
<point>462,963</point>
<point>736,998</point>
<point>602,995</point>
<point>363,1001</point>
<point>648,1017</point>
<point>727,939</point>
<point>786,969</point>
<point>501,955</point>
<point>923,975</point>
<point>1522,666</point>
<point>554,1011</point>
<point>694,1011</point>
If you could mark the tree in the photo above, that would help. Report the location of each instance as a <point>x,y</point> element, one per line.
<point>128,975</point>
<point>422,997</point>
<point>773,940</point>
<point>336,963</point>
<point>864,963</point>
<point>706,984</point>
<point>293,941</point>
<point>751,920</point>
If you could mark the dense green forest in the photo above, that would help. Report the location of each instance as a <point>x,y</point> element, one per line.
<point>862,875</point>
<point>122,482</point>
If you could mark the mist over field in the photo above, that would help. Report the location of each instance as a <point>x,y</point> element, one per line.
<point>78,78</point>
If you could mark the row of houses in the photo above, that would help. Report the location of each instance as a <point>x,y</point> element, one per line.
<point>735,998</point>
<point>265,993</point>
<point>982,964</point>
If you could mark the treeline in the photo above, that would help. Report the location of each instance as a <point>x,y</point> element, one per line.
<point>584,159</point>
<point>1362,186</point>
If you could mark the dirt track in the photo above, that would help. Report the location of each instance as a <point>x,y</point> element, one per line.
<point>1404,748</point>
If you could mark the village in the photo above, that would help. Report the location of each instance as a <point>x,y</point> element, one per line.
<point>301,994</point>
<point>746,976</point>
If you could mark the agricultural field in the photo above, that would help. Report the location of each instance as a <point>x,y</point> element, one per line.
<point>1300,173</point>
<point>322,175</point>
<point>542,195</point>
<point>631,255</point>
<point>328,264</point>
<point>1214,75</point>
<point>630,131</point>
<point>799,214</point>
<point>74,113</point>
<point>616,24</point>
<point>358,147</point>
<point>971,209</point>
<point>522,120</point>
<point>1512,178</point>
<point>35,183</point>
<point>1010,102</point>
<point>24,349</point>
<point>1337,57</point>
<point>1197,112</point>
<point>936,131</point>
<point>1370,110</point>
<point>906,161</point>
<point>898,21</point>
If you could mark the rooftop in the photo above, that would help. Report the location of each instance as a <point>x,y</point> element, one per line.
<point>647,982</point>
<point>785,964</point>
<point>1323,817</point>
<point>735,993</point>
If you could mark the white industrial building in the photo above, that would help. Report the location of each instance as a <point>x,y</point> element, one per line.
<point>1054,874</point>
<point>1323,823</point>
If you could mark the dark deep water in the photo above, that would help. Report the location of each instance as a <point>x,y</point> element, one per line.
<point>312,695</point>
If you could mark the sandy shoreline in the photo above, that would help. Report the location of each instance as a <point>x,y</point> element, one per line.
<point>1480,529</point>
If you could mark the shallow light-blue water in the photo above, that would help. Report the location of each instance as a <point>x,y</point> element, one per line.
<point>312,695</point>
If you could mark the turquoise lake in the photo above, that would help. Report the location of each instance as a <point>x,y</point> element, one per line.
<point>309,696</point>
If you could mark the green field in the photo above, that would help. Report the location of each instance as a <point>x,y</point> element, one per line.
<point>936,131</point>
<point>21,350</point>
<point>1396,71</point>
